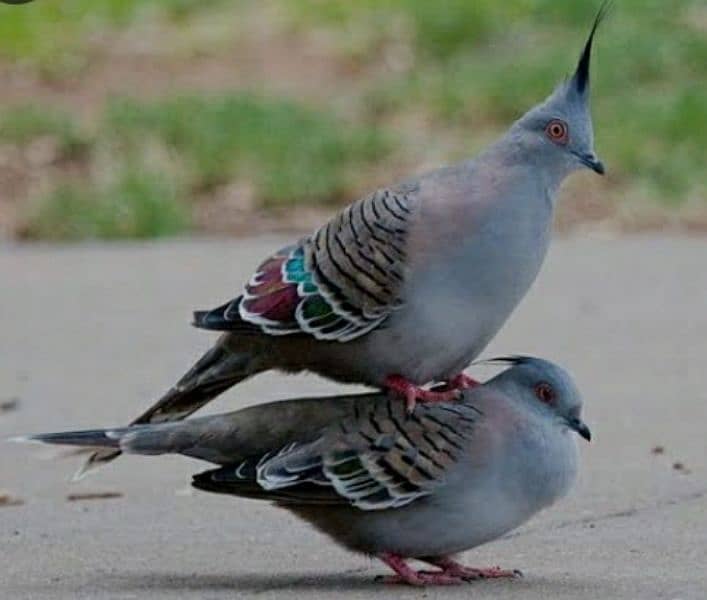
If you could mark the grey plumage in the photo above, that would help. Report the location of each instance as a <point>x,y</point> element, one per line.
<point>377,480</point>
<point>413,280</point>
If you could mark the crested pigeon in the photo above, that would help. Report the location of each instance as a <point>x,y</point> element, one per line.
<point>409,284</point>
<point>423,485</point>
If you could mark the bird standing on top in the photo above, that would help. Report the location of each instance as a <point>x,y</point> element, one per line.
<point>426,485</point>
<point>409,284</point>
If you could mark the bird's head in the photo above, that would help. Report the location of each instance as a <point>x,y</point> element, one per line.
<point>558,131</point>
<point>544,387</point>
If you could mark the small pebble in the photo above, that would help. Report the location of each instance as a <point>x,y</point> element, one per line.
<point>678,466</point>
<point>9,405</point>
<point>8,500</point>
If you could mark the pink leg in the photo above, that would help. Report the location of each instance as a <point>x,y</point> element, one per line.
<point>413,393</point>
<point>404,574</point>
<point>452,568</point>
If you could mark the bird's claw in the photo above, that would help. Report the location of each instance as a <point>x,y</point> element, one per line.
<point>491,573</point>
<point>429,396</point>
<point>462,382</point>
<point>450,572</point>
<point>452,568</point>
<point>413,394</point>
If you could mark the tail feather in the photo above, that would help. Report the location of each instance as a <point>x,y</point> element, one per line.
<point>161,438</point>
<point>213,319</point>
<point>205,438</point>
<point>224,318</point>
<point>95,438</point>
<point>94,462</point>
<point>216,371</point>
<point>90,440</point>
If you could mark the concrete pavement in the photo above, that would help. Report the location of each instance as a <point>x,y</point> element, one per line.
<point>89,335</point>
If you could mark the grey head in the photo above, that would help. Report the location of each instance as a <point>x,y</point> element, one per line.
<point>543,386</point>
<point>557,134</point>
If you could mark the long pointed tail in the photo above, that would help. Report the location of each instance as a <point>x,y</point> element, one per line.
<point>161,438</point>
<point>215,372</point>
<point>94,438</point>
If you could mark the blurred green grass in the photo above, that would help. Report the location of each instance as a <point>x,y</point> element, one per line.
<point>139,204</point>
<point>54,36</point>
<point>454,73</point>
<point>291,154</point>
<point>145,159</point>
<point>22,125</point>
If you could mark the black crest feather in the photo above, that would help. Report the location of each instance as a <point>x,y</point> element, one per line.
<point>513,359</point>
<point>581,74</point>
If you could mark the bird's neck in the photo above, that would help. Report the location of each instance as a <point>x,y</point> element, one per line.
<point>527,165</point>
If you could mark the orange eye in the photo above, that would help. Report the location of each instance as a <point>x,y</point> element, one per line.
<point>557,131</point>
<point>545,393</point>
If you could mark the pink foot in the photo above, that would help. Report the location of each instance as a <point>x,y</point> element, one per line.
<point>451,573</point>
<point>413,393</point>
<point>462,382</point>
<point>454,569</point>
<point>404,574</point>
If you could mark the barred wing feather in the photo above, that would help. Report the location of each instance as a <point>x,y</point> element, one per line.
<point>339,283</point>
<point>380,459</point>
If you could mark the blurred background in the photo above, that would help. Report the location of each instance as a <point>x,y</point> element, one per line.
<point>146,118</point>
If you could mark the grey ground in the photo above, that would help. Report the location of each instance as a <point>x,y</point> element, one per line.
<point>89,335</point>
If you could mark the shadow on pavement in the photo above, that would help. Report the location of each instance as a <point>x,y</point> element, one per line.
<point>351,581</point>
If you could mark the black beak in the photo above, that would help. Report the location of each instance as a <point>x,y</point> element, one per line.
<point>592,162</point>
<point>580,427</point>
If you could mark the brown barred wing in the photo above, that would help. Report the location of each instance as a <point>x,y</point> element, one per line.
<point>358,260</point>
<point>381,458</point>
<point>337,284</point>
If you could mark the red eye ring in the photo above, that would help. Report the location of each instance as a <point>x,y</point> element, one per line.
<point>557,131</point>
<point>545,393</point>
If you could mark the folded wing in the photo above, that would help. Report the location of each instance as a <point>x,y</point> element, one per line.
<point>337,284</point>
<point>380,458</point>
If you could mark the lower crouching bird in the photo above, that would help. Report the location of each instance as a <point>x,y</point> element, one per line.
<point>381,481</point>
